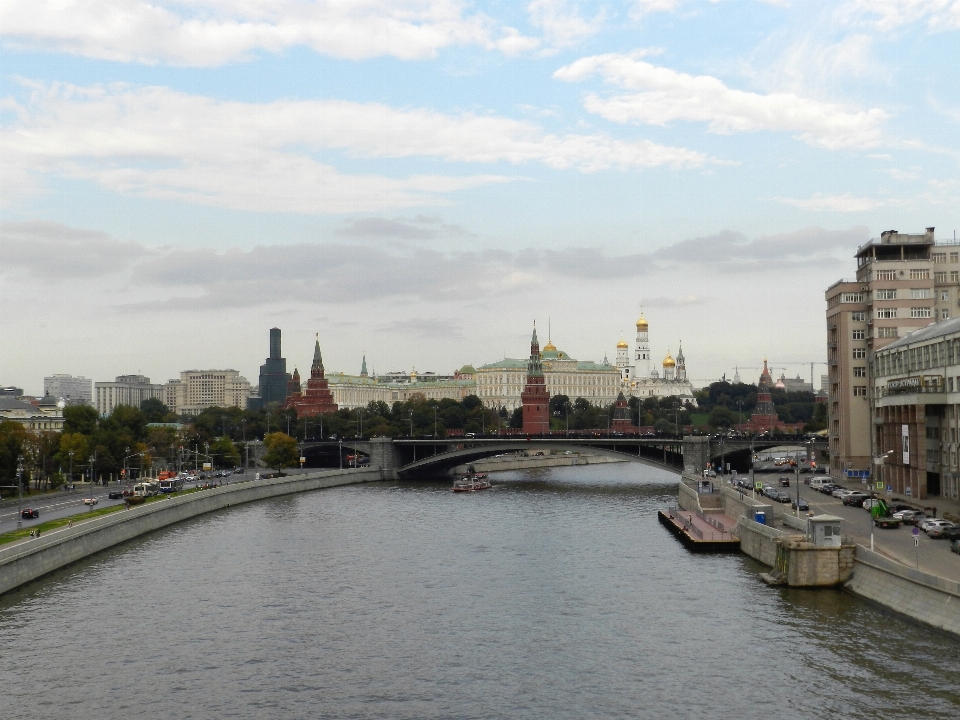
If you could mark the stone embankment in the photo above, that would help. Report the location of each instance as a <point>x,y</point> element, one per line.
<point>23,562</point>
<point>519,462</point>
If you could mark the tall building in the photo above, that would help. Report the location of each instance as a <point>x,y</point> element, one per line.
<point>641,366</point>
<point>623,360</point>
<point>273,373</point>
<point>317,399</point>
<point>535,398</point>
<point>904,282</point>
<point>129,390</point>
<point>75,390</point>
<point>197,390</point>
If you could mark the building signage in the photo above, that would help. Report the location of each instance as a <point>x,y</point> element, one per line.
<point>905,440</point>
<point>904,385</point>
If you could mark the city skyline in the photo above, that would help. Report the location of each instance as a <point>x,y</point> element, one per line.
<point>420,179</point>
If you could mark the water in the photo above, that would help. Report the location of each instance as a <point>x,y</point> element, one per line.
<point>555,595</point>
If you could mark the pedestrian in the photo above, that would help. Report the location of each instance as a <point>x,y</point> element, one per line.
<point>38,532</point>
<point>70,524</point>
<point>31,533</point>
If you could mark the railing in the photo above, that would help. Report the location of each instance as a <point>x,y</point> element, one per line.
<point>686,522</point>
<point>707,519</point>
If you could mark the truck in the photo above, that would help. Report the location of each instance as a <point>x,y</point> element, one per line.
<point>881,515</point>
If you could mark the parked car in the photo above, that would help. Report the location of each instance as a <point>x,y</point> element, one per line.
<point>29,513</point>
<point>90,501</point>
<point>802,503</point>
<point>115,494</point>
<point>910,517</point>
<point>839,492</point>
<point>784,482</point>
<point>770,492</point>
<point>940,529</point>
<point>827,488</point>
<point>855,499</point>
<point>955,546</point>
<point>782,497</point>
<point>950,533</point>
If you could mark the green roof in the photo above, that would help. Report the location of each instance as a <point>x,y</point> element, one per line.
<point>468,370</point>
<point>505,364</point>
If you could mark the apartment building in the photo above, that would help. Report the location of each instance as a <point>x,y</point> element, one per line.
<point>125,390</point>
<point>197,390</point>
<point>72,389</point>
<point>904,282</point>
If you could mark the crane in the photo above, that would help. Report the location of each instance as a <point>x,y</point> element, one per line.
<point>811,364</point>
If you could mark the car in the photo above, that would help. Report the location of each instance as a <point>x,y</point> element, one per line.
<point>29,513</point>
<point>955,546</point>
<point>784,482</point>
<point>827,488</point>
<point>910,517</point>
<point>115,495</point>
<point>855,498</point>
<point>770,492</point>
<point>90,501</point>
<point>839,492</point>
<point>238,471</point>
<point>940,529</point>
<point>802,503</point>
<point>782,497</point>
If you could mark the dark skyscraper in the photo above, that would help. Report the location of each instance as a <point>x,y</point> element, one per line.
<point>273,373</point>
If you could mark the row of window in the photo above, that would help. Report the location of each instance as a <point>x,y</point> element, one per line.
<point>940,354</point>
<point>888,313</point>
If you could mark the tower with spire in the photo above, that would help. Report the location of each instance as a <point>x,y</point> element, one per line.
<point>535,399</point>
<point>641,366</point>
<point>317,399</point>
<point>681,365</point>
<point>363,366</point>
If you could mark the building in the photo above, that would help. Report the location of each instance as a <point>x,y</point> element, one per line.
<point>621,417</point>
<point>11,391</point>
<point>197,390</point>
<point>641,381</point>
<point>501,384</point>
<point>126,390</point>
<point>764,417</point>
<point>45,416</point>
<point>75,390</point>
<point>273,373</point>
<point>535,399</point>
<point>317,398</point>
<point>797,384</point>
<point>916,413</point>
<point>903,282</point>
<point>354,391</point>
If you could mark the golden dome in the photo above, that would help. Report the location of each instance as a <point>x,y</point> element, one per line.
<point>622,344</point>
<point>549,347</point>
<point>642,324</point>
<point>668,361</point>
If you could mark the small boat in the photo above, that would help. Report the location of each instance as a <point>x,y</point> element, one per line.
<point>471,483</point>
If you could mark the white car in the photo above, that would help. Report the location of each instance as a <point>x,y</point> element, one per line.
<point>90,501</point>
<point>841,492</point>
<point>925,525</point>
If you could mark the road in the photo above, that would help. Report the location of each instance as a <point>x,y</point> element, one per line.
<point>932,556</point>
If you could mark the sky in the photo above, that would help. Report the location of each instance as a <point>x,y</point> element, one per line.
<point>420,180</point>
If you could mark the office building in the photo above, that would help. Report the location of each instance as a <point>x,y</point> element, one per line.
<point>75,390</point>
<point>125,390</point>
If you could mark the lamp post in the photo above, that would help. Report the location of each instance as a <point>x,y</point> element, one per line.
<point>93,475</point>
<point>566,413</point>
<point>434,421</point>
<point>126,472</point>
<point>878,462</point>
<point>19,492</point>
<point>798,482</point>
<point>71,466</point>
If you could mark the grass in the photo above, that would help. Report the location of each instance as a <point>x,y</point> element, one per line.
<point>698,418</point>
<point>14,535</point>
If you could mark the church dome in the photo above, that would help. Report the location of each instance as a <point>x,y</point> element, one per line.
<point>642,324</point>
<point>668,361</point>
<point>549,347</point>
<point>622,344</point>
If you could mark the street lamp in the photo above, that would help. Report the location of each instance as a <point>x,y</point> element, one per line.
<point>434,421</point>
<point>93,475</point>
<point>19,492</point>
<point>879,462</point>
<point>71,466</point>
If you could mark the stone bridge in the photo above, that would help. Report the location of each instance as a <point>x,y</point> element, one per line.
<point>414,457</point>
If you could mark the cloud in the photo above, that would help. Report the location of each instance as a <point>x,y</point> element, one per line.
<point>158,143</point>
<point>664,95</point>
<point>53,251</point>
<point>205,33</point>
<point>423,328</point>
<point>562,24</point>
<point>679,301</point>
<point>820,202</point>
<point>421,227</point>
<point>889,15</point>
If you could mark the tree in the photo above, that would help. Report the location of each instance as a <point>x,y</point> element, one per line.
<point>225,453</point>
<point>720,416</point>
<point>154,411</point>
<point>76,443</point>
<point>80,419</point>
<point>516,420</point>
<point>281,451</point>
<point>13,436</point>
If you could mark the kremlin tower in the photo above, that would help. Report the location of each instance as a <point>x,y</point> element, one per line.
<point>535,399</point>
<point>764,416</point>
<point>317,400</point>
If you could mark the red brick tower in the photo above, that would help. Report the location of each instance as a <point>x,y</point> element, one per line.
<point>535,398</point>
<point>621,416</point>
<point>764,416</point>
<point>317,400</point>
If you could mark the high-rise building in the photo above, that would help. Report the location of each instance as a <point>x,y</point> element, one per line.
<point>125,390</point>
<point>197,390</point>
<point>75,390</point>
<point>274,378</point>
<point>904,282</point>
<point>535,399</point>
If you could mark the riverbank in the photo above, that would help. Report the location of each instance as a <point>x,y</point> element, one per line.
<point>519,462</point>
<point>23,562</point>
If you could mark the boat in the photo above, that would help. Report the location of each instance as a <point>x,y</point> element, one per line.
<point>471,483</point>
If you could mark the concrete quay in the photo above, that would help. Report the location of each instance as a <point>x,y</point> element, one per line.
<point>24,562</point>
<point>518,462</point>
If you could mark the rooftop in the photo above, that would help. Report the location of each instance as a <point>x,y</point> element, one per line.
<point>946,327</point>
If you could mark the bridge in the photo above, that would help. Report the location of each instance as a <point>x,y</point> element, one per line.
<point>406,457</point>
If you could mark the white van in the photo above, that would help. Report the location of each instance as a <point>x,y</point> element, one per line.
<point>818,481</point>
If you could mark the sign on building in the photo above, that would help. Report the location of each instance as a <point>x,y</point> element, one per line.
<point>905,440</point>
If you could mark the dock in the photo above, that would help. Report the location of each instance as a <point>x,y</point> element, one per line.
<point>699,531</point>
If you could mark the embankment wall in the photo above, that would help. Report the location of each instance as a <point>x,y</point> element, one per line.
<point>927,598</point>
<point>23,562</point>
<point>759,541</point>
<point>523,463</point>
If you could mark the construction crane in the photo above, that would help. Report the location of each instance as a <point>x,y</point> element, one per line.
<point>811,364</point>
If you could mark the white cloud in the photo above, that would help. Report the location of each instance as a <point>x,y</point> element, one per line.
<point>213,32</point>
<point>846,203</point>
<point>561,23</point>
<point>664,95</point>
<point>888,15</point>
<point>158,143</point>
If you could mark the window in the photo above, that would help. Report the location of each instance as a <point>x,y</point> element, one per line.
<point>859,372</point>
<point>920,293</point>
<point>851,297</point>
<point>886,313</point>
<point>859,390</point>
<point>950,389</point>
<point>859,334</point>
<point>954,257</point>
<point>858,316</point>
<point>859,353</point>
<point>954,276</point>
<point>944,295</point>
<point>939,258</point>
<point>886,275</point>
<point>920,312</point>
<point>920,274</point>
<point>940,277</point>
<point>886,295</point>
<point>887,332</point>
<point>944,314</point>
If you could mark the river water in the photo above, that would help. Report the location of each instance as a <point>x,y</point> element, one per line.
<point>556,594</point>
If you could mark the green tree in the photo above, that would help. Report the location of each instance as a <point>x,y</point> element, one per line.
<point>154,411</point>
<point>225,453</point>
<point>281,451</point>
<point>80,419</point>
<point>76,443</point>
<point>720,416</point>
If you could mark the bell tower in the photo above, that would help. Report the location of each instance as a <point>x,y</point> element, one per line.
<point>641,364</point>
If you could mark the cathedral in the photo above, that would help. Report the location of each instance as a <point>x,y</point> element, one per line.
<point>640,379</point>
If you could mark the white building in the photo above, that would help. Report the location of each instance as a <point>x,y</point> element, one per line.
<point>354,391</point>
<point>72,389</point>
<point>125,390</point>
<point>646,382</point>
<point>47,415</point>
<point>197,390</point>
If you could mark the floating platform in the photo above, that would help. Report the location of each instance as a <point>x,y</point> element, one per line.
<point>700,532</point>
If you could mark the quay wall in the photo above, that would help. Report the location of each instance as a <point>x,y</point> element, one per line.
<point>810,566</point>
<point>523,463</point>
<point>759,541</point>
<point>688,498</point>
<point>929,599</point>
<point>740,505</point>
<point>24,562</point>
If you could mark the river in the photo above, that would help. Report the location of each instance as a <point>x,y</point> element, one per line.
<point>556,594</point>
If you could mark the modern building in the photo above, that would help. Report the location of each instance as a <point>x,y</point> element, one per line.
<point>916,413</point>
<point>197,390</point>
<point>535,399</point>
<point>273,373</point>
<point>45,416</point>
<point>904,282</point>
<point>126,390</point>
<point>317,398</point>
<point>11,391</point>
<point>75,390</point>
